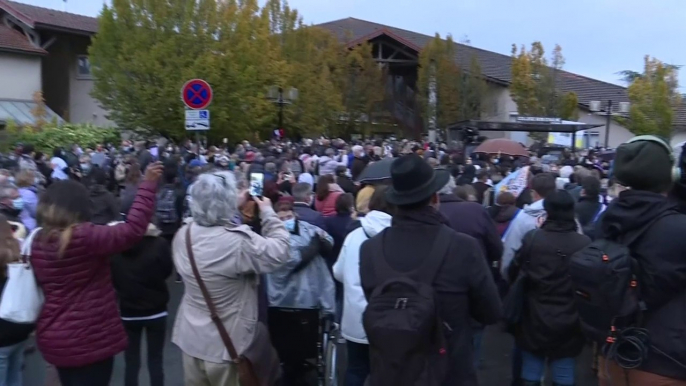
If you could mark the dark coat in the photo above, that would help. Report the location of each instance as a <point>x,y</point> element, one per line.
<point>464,285</point>
<point>660,252</point>
<point>105,206</point>
<point>337,226</point>
<point>309,215</point>
<point>481,188</point>
<point>358,165</point>
<point>550,324</point>
<point>472,219</point>
<point>503,216</point>
<point>139,276</point>
<point>79,323</point>
<point>346,184</point>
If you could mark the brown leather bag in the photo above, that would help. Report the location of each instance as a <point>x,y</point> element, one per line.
<point>259,363</point>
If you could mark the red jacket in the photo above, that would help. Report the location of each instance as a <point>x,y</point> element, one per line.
<point>79,323</point>
<point>327,207</point>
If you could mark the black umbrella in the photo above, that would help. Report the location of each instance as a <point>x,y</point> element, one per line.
<point>376,172</point>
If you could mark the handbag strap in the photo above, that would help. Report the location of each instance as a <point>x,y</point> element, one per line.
<point>210,304</point>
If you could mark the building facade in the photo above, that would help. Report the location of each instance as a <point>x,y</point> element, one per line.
<point>45,52</point>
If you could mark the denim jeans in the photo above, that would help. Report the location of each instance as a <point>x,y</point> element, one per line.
<point>358,364</point>
<point>11,361</point>
<point>562,370</point>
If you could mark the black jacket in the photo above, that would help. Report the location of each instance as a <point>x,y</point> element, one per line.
<point>346,184</point>
<point>104,205</point>
<point>357,166</point>
<point>550,324</point>
<point>464,285</point>
<point>139,276</point>
<point>660,253</point>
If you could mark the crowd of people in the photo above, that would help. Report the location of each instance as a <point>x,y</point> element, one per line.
<point>413,264</point>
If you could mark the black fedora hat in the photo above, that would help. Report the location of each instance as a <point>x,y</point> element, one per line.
<point>414,180</point>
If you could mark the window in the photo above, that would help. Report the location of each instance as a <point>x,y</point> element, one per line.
<point>83,67</point>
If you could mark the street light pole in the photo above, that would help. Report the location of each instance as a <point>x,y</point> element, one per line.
<point>276,95</point>
<point>607,123</point>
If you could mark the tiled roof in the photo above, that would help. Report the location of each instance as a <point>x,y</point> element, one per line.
<point>497,67</point>
<point>37,17</point>
<point>13,40</point>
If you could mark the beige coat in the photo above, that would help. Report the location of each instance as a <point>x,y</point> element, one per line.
<point>229,259</point>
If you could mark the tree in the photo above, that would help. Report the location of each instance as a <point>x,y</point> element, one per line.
<point>361,81</point>
<point>459,94</point>
<point>654,97</point>
<point>146,49</point>
<point>534,85</point>
<point>310,54</point>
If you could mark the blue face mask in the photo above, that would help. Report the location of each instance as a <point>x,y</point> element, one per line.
<point>290,224</point>
<point>18,203</point>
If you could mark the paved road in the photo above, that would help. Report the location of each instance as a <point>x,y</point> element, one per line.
<point>494,369</point>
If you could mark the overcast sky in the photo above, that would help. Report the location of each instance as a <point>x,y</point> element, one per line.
<point>598,37</point>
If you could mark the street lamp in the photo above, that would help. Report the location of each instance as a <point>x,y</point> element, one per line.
<point>595,107</point>
<point>282,97</point>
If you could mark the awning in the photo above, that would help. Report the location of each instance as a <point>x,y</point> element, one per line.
<point>531,127</point>
<point>19,112</point>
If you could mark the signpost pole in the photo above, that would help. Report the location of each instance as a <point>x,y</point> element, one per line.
<point>197,94</point>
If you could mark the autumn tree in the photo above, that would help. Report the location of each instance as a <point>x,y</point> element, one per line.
<point>534,85</point>
<point>459,93</point>
<point>146,49</point>
<point>654,98</point>
<point>361,83</point>
<point>310,54</point>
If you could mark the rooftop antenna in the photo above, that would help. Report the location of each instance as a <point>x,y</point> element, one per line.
<point>64,8</point>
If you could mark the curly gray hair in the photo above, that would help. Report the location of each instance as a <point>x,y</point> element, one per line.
<point>214,199</point>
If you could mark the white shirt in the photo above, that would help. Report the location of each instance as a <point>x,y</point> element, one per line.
<point>58,166</point>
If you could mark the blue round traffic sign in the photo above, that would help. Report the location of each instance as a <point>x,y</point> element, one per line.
<point>196,94</point>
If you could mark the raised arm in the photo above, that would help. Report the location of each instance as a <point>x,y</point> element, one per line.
<point>106,240</point>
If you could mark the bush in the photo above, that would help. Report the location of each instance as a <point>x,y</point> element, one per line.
<point>53,135</point>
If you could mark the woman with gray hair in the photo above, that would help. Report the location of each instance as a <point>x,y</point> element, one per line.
<point>229,257</point>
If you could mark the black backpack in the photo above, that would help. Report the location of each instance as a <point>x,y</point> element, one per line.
<point>405,332</point>
<point>606,287</point>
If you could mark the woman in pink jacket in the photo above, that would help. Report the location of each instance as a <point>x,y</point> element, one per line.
<point>79,330</point>
<point>326,195</point>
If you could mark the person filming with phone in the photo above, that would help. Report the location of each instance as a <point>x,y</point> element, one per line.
<point>214,252</point>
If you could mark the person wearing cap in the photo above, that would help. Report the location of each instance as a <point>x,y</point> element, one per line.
<point>645,166</point>
<point>463,285</point>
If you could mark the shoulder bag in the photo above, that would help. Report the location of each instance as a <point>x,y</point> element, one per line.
<point>22,297</point>
<point>258,364</point>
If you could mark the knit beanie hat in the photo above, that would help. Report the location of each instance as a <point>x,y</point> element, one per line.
<point>644,165</point>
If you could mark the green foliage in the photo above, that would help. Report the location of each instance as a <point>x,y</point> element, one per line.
<point>459,94</point>
<point>654,97</point>
<point>53,136</point>
<point>534,85</point>
<point>146,49</point>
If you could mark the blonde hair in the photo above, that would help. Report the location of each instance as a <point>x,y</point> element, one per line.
<point>57,221</point>
<point>25,178</point>
<point>9,246</point>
